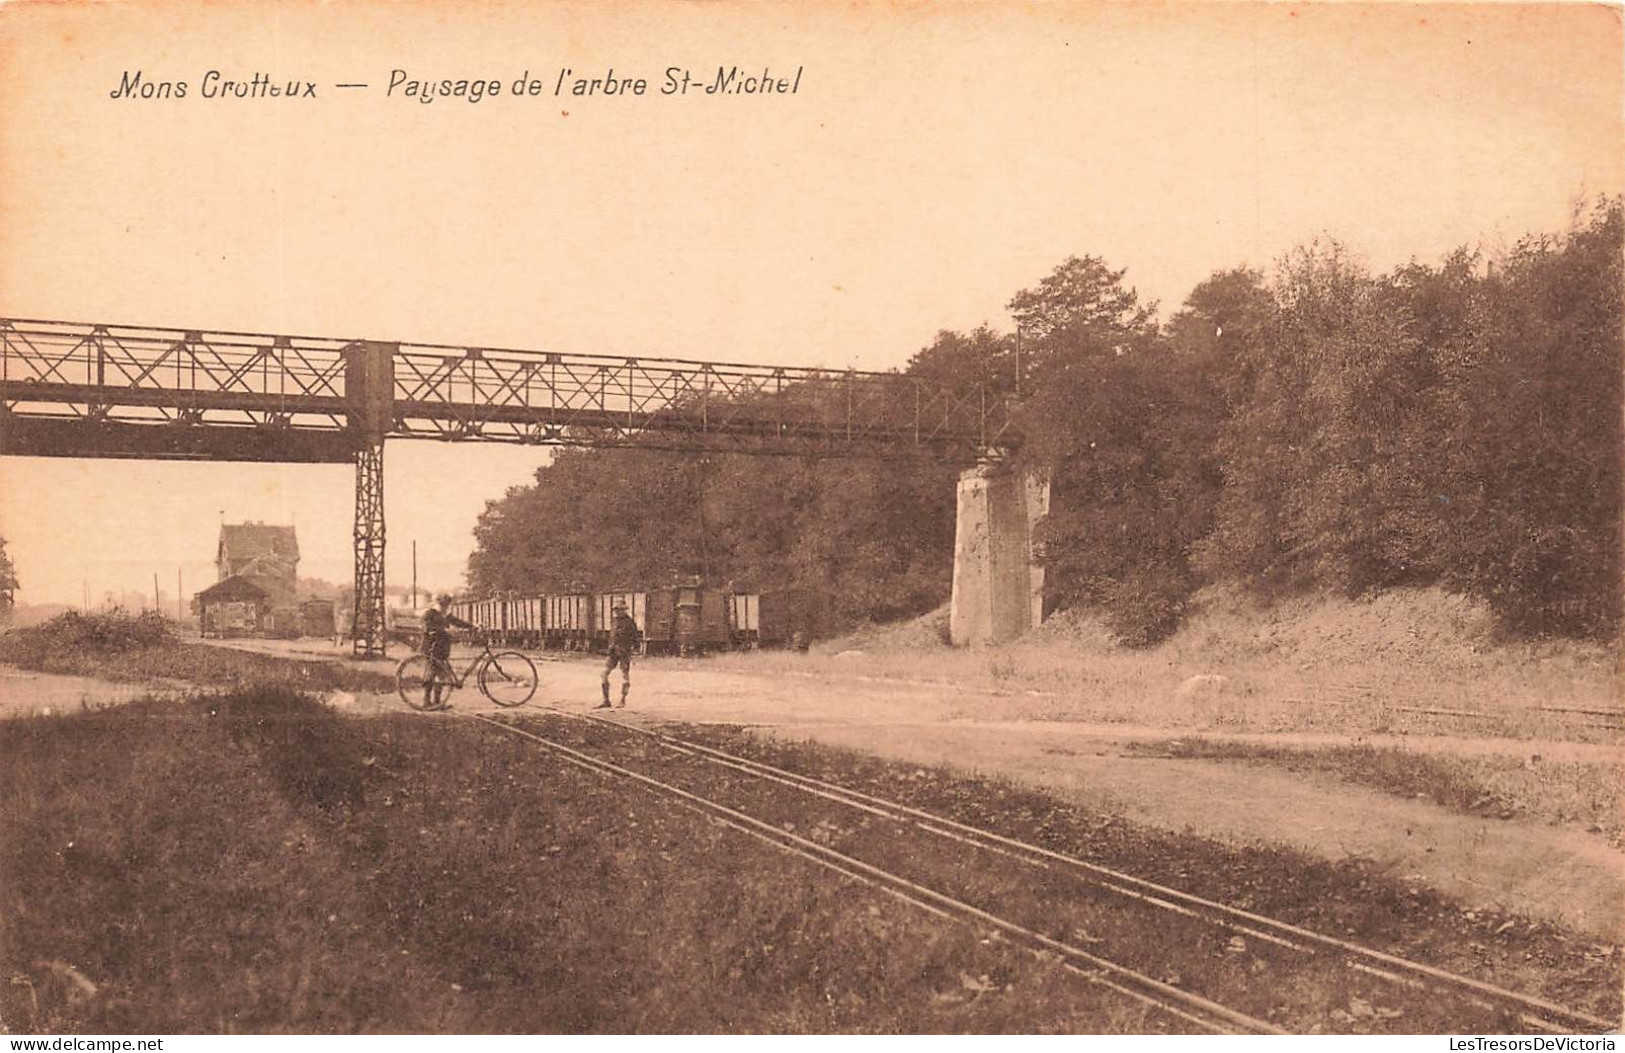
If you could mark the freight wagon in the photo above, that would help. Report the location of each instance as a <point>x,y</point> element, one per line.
<point>404,625</point>
<point>283,623</point>
<point>689,618</point>
<point>316,618</point>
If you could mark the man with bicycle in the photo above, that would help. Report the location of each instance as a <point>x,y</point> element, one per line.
<point>437,625</point>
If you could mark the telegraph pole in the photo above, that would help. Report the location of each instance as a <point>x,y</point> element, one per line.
<point>1018,363</point>
<point>705,551</point>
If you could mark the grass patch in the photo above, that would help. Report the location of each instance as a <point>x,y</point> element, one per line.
<point>141,648</point>
<point>159,852</point>
<point>1586,795</point>
<point>1312,664</point>
<point>1354,899</point>
<point>251,862</point>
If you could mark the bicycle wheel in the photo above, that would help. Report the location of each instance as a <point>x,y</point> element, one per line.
<point>508,679</point>
<point>416,680</point>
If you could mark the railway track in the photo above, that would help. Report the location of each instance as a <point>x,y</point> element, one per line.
<point>1283,939</point>
<point>1569,717</point>
<point>1177,1004</point>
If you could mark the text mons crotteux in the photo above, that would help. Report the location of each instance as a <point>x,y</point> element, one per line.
<point>675,81</point>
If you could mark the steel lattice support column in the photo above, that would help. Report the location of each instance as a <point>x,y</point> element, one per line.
<point>369,551</point>
<point>369,387</point>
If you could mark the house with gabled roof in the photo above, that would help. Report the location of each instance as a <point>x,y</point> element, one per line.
<point>266,555</point>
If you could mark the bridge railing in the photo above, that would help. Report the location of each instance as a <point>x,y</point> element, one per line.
<point>145,375</point>
<point>593,400</point>
<point>142,375</point>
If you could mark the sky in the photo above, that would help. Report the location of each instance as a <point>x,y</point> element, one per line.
<point>932,162</point>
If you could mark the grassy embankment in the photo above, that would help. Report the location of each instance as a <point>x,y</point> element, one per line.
<point>142,649</point>
<point>1327,664</point>
<point>254,862</point>
<point>1337,667</point>
<point>1579,795</point>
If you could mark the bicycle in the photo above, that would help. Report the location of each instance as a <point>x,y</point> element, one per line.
<point>507,678</point>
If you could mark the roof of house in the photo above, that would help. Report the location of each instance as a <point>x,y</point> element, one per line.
<point>263,567</point>
<point>231,589</point>
<point>257,540</point>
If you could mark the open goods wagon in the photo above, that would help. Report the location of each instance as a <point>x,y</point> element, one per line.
<point>688,618</point>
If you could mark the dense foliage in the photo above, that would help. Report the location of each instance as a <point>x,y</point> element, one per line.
<point>1319,427</point>
<point>8,581</point>
<point>876,537</point>
<point>1457,425</point>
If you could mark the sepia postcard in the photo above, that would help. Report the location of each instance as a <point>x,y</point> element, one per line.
<point>670,518</point>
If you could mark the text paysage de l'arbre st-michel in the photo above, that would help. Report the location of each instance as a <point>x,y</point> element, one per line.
<point>673,81</point>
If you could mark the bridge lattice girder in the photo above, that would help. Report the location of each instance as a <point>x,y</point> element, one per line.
<point>95,390</point>
<point>76,390</point>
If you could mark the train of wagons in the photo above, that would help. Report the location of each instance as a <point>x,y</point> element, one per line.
<point>680,619</point>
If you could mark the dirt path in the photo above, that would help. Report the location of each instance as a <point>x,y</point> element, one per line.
<point>1510,865</point>
<point>1522,867</point>
<point>28,694</point>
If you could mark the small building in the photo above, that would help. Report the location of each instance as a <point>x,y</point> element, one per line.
<point>233,607</point>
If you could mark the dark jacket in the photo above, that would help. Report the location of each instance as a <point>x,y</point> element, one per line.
<point>623,634</point>
<point>437,626</point>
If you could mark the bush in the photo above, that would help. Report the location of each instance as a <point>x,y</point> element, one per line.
<point>106,632</point>
<point>1146,604</point>
<point>119,646</point>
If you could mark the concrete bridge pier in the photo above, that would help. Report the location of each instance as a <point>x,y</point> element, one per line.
<point>998,590</point>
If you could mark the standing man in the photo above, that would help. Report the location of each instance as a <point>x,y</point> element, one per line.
<point>437,626</point>
<point>623,640</point>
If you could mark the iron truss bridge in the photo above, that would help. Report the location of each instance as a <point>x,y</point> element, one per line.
<point>74,390</point>
<point>78,390</point>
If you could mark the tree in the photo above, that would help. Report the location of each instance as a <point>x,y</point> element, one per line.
<point>1435,425</point>
<point>1082,306</point>
<point>1534,519</point>
<point>1220,325</point>
<point>594,518</point>
<point>875,537</point>
<point>1121,426</point>
<point>8,581</point>
<point>961,361</point>
<point>1319,451</point>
